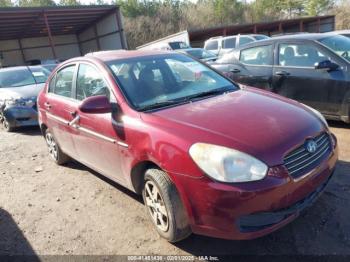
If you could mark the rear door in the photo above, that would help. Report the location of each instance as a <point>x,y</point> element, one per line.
<point>60,106</point>
<point>295,76</point>
<point>96,140</point>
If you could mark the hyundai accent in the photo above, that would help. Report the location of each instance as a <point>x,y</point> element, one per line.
<point>209,157</point>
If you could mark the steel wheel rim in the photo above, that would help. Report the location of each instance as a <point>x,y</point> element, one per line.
<point>156,207</point>
<point>51,143</point>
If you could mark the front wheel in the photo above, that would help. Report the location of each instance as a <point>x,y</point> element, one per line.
<point>55,151</point>
<point>164,206</point>
<point>7,126</point>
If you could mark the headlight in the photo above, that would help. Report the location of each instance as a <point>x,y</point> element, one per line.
<point>318,114</point>
<point>227,165</point>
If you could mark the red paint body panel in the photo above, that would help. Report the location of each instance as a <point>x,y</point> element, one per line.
<point>255,122</point>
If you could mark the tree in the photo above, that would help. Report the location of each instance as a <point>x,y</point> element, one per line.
<point>69,2</point>
<point>5,3</point>
<point>35,3</point>
<point>317,7</point>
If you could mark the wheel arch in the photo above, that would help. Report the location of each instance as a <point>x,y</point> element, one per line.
<point>138,172</point>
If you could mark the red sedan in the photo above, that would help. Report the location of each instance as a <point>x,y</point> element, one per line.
<point>208,156</point>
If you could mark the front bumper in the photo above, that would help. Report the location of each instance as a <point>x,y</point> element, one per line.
<point>251,210</point>
<point>18,116</point>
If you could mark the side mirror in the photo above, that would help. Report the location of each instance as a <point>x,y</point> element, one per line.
<point>96,105</point>
<point>326,65</point>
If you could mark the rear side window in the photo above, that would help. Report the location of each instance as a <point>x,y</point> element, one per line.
<point>90,83</point>
<point>230,43</point>
<point>260,55</point>
<point>300,55</point>
<point>64,82</point>
<point>243,40</point>
<point>212,45</point>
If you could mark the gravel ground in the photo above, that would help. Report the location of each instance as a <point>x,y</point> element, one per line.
<point>50,210</point>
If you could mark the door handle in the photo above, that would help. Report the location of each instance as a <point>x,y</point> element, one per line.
<point>47,105</point>
<point>282,73</point>
<point>74,121</point>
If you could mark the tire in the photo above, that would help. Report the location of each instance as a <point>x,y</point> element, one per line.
<point>7,126</point>
<point>164,206</point>
<point>55,151</point>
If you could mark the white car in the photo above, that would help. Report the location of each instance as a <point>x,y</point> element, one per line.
<point>223,44</point>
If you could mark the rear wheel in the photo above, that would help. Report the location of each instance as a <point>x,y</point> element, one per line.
<point>55,151</point>
<point>164,206</point>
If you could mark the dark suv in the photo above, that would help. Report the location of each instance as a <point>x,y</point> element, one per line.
<point>310,68</point>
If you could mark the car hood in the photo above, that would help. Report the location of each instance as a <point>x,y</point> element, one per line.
<point>29,91</point>
<point>256,122</point>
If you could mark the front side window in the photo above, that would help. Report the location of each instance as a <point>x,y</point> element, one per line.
<point>212,45</point>
<point>300,55</point>
<point>16,77</point>
<point>64,82</point>
<point>338,44</point>
<point>243,40</point>
<point>90,83</point>
<point>260,55</point>
<point>157,81</point>
<point>230,42</point>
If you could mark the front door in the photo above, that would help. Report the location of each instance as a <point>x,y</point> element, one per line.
<point>96,139</point>
<point>59,107</point>
<point>295,77</point>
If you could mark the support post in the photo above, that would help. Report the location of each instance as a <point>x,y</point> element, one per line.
<point>280,28</point>
<point>255,29</point>
<point>22,52</point>
<point>120,28</point>
<point>301,26</point>
<point>50,36</point>
<point>97,38</point>
<point>319,25</point>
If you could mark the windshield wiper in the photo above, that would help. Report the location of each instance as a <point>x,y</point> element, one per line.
<point>208,93</point>
<point>161,104</point>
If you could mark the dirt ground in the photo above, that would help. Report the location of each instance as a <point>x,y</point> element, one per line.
<point>47,209</point>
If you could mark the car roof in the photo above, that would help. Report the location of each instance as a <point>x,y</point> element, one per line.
<point>231,36</point>
<point>106,56</point>
<point>303,36</point>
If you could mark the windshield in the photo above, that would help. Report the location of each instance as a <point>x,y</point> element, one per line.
<point>200,53</point>
<point>40,73</point>
<point>338,44</point>
<point>24,76</point>
<point>162,80</point>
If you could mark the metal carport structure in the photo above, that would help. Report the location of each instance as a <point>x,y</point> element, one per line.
<point>60,33</point>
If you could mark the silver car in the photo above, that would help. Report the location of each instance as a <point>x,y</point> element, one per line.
<point>19,87</point>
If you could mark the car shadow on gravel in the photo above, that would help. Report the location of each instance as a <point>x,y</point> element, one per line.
<point>338,124</point>
<point>28,131</point>
<point>79,166</point>
<point>12,240</point>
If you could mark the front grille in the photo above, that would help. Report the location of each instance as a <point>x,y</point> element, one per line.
<point>300,161</point>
